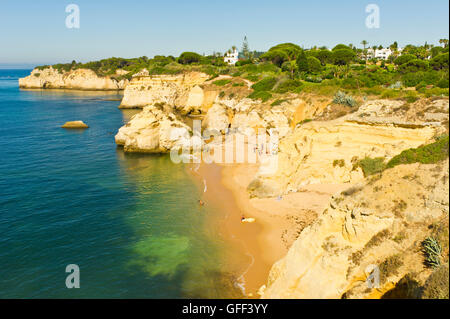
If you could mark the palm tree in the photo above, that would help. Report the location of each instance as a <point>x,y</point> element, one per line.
<point>364,43</point>
<point>444,42</point>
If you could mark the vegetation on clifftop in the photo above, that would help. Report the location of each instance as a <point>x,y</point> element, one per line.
<point>427,154</point>
<point>287,68</point>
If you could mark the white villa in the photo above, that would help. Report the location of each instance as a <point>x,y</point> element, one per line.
<point>382,54</point>
<point>231,58</point>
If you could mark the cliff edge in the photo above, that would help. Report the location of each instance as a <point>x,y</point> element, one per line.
<point>79,79</point>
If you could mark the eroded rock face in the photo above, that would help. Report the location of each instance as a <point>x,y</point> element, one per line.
<point>153,131</point>
<point>80,79</point>
<point>181,91</point>
<point>399,113</point>
<point>325,152</point>
<point>378,220</point>
<point>216,119</point>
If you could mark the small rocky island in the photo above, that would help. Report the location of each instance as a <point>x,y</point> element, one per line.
<point>75,125</point>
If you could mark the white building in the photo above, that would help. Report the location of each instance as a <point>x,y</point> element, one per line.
<point>382,54</point>
<point>231,58</point>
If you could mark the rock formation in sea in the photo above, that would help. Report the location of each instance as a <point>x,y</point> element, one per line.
<point>75,125</point>
<point>153,130</point>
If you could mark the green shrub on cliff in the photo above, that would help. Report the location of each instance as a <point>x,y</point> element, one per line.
<point>427,154</point>
<point>222,82</point>
<point>437,285</point>
<point>266,84</point>
<point>260,95</point>
<point>390,267</point>
<point>288,85</point>
<point>443,84</point>
<point>371,166</point>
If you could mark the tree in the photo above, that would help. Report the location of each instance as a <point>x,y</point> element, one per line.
<point>394,46</point>
<point>340,47</point>
<point>189,57</point>
<point>435,51</point>
<point>314,65</point>
<point>325,56</point>
<point>302,62</point>
<point>343,56</point>
<point>277,57</point>
<point>413,66</point>
<point>364,43</point>
<point>290,49</point>
<point>282,53</point>
<point>245,48</point>
<point>404,59</point>
<point>444,42</point>
<point>440,62</point>
<point>289,66</point>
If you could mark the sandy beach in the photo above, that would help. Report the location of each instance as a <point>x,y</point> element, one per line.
<point>278,221</point>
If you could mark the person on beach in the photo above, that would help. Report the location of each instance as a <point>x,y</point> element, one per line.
<point>201,202</point>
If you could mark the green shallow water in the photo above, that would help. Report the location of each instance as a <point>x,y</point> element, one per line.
<point>132,223</point>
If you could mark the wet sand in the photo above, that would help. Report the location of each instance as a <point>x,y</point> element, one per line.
<point>242,237</point>
<point>278,222</point>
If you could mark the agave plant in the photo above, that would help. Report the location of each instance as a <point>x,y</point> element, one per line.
<point>344,99</point>
<point>432,251</point>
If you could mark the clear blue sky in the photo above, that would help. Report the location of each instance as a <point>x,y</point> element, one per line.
<point>34,31</point>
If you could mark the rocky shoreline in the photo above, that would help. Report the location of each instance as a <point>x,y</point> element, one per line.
<point>366,222</point>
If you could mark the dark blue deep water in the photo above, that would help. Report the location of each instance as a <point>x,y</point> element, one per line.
<point>130,222</point>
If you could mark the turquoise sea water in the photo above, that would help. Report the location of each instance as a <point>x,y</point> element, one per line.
<point>130,222</point>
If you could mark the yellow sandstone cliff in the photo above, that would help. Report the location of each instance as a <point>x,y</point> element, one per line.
<point>181,91</point>
<point>379,222</point>
<point>80,79</point>
<point>327,151</point>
